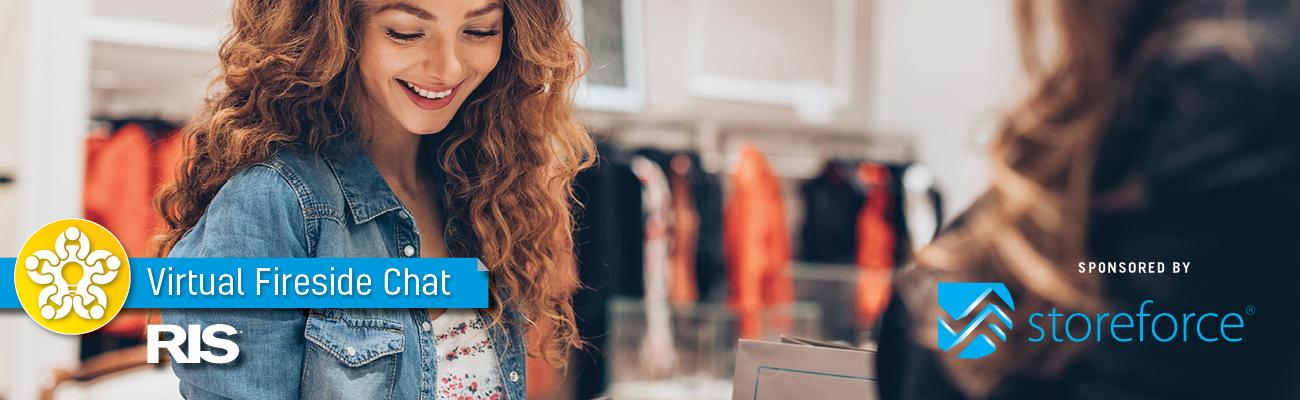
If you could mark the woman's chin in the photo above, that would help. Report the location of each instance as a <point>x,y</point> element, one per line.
<point>425,127</point>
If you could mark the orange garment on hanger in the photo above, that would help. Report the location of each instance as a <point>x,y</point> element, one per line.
<point>682,288</point>
<point>166,156</point>
<point>123,172</point>
<point>118,190</point>
<point>875,244</point>
<point>755,242</point>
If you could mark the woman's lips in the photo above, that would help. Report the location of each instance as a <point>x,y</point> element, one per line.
<point>420,95</point>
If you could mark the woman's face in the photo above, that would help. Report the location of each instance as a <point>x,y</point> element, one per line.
<point>420,59</point>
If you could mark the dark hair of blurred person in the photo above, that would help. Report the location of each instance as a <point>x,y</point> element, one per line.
<point>1155,130</point>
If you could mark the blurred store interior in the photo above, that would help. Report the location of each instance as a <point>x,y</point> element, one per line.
<point>833,100</point>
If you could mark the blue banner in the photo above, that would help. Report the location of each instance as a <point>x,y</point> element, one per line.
<point>295,283</point>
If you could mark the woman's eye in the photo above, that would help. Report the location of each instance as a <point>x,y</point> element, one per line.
<point>481,34</point>
<point>404,37</point>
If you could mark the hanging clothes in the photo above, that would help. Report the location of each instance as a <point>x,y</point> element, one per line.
<point>118,190</point>
<point>610,238</point>
<point>125,167</point>
<point>827,198</point>
<point>684,227</point>
<point>876,247</point>
<point>898,213</point>
<point>710,267</point>
<point>756,242</point>
<point>658,356</point>
<point>166,155</point>
<point>828,237</point>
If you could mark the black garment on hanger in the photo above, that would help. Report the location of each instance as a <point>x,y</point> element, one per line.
<point>832,201</point>
<point>157,128</point>
<point>610,245</point>
<point>710,267</point>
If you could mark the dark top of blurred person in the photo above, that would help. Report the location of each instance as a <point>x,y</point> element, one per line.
<point>1159,131</point>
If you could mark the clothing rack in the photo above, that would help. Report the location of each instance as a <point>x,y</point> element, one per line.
<point>796,151</point>
<point>800,152</point>
<point>157,126</point>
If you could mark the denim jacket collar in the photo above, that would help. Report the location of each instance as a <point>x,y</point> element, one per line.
<point>367,195</point>
<point>365,191</point>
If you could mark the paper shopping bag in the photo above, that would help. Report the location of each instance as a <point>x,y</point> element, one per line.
<point>802,370</point>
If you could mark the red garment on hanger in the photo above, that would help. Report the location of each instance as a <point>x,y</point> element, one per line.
<point>123,172</point>
<point>875,244</point>
<point>756,242</point>
<point>118,191</point>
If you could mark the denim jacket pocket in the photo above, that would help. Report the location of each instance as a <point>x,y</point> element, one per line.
<point>350,357</point>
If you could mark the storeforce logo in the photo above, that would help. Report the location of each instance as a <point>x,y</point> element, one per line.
<point>959,302</point>
<point>72,276</point>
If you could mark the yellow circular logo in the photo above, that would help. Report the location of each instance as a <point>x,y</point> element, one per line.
<point>72,276</point>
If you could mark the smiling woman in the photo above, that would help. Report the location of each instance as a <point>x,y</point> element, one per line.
<point>386,128</point>
<point>415,62</point>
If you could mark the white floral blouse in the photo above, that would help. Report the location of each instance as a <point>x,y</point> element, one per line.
<point>467,364</point>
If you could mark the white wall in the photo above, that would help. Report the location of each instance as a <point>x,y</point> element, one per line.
<point>944,71</point>
<point>12,30</point>
<point>669,63</point>
<point>46,145</point>
<point>12,39</point>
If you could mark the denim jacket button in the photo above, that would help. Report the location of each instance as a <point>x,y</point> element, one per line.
<point>514,376</point>
<point>409,250</point>
<point>403,214</point>
<point>352,351</point>
<point>424,326</point>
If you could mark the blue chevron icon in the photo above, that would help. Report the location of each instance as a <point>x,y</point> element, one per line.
<point>961,300</point>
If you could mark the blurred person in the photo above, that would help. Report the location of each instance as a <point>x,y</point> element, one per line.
<point>387,128</point>
<point>1156,131</point>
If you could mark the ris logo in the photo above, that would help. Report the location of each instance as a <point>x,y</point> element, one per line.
<point>194,352</point>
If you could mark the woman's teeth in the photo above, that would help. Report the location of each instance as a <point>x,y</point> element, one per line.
<point>431,95</point>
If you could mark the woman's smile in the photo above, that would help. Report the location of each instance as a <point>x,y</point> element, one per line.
<point>429,97</point>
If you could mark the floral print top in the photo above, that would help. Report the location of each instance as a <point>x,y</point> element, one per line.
<point>467,365</point>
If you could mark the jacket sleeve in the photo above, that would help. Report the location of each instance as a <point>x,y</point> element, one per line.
<point>255,214</point>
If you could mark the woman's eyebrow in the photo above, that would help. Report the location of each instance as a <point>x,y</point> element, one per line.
<point>402,6</point>
<point>493,6</point>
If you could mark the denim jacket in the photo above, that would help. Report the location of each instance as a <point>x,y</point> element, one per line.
<point>300,204</point>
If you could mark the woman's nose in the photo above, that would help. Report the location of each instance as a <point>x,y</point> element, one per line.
<point>443,63</point>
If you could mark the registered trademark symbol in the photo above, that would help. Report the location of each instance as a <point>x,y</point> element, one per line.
<point>1250,309</point>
